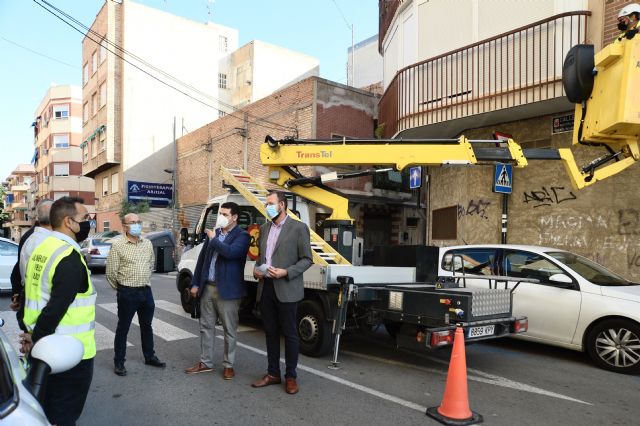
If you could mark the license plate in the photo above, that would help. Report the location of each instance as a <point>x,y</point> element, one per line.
<point>486,330</point>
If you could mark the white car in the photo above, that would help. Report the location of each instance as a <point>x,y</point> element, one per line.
<point>8,259</point>
<point>577,303</point>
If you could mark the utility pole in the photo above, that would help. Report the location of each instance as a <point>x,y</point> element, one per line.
<point>174,194</point>
<point>245,139</point>
<point>353,61</point>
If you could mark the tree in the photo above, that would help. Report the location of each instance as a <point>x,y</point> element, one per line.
<point>4,216</point>
<point>128,207</point>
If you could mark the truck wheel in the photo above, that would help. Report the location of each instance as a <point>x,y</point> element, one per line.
<point>615,345</point>
<point>313,329</point>
<point>184,287</point>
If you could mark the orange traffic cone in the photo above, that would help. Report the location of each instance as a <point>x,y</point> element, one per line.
<point>454,409</point>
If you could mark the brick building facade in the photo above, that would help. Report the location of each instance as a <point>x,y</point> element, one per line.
<point>311,109</point>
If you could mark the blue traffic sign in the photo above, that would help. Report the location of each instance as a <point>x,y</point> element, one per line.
<point>503,182</point>
<point>93,223</point>
<point>415,177</point>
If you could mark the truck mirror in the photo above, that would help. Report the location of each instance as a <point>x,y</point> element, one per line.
<point>184,235</point>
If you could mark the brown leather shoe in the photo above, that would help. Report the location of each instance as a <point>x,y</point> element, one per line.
<point>266,381</point>
<point>291,386</point>
<point>228,373</point>
<point>200,367</point>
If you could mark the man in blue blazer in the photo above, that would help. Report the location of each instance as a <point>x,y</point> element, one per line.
<point>219,281</point>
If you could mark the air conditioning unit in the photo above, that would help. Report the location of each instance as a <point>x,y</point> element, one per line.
<point>45,179</point>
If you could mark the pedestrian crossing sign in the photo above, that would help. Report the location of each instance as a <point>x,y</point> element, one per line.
<point>503,182</point>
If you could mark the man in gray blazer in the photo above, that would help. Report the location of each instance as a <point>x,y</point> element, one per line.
<point>285,253</point>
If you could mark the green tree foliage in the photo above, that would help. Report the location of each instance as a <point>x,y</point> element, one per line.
<point>128,207</point>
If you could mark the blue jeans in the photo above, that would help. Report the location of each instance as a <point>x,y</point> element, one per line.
<point>279,317</point>
<point>132,300</point>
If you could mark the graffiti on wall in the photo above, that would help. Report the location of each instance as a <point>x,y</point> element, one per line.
<point>628,222</point>
<point>548,196</point>
<point>570,231</point>
<point>474,208</point>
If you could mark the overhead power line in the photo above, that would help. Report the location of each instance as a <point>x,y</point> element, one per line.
<point>74,24</point>
<point>37,53</point>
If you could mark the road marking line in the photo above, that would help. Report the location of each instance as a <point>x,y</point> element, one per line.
<point>105,338</point>
<point>365,389</point>
<point>161,329</point>
<point>488,378</point>
<point>176,309</point>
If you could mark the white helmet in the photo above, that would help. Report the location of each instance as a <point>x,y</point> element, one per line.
<point>629,9</point>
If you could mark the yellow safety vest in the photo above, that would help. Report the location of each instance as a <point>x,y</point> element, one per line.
<point>79,320</point>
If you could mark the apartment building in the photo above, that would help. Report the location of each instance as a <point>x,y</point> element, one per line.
<point>366,62</point>
<point>18,201</point>
<point>495,70</point>
<point>58,156</point>
<point>128,115</point>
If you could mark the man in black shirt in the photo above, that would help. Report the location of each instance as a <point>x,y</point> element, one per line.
<point>69,306</point>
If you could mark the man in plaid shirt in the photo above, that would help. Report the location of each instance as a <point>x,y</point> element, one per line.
<point>129,267</point>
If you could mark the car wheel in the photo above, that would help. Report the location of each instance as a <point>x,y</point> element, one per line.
<point>313,329</point>
<point>184,287</point>
<point>615,345</point>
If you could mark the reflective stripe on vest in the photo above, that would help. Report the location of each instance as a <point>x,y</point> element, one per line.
<point>79,319</point>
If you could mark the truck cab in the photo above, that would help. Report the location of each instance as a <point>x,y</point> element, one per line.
<point>249,219</point>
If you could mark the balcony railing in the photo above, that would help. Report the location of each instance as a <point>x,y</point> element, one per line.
<point>511,69</point>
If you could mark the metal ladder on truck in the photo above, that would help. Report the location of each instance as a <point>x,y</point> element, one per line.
<point>256,194</point>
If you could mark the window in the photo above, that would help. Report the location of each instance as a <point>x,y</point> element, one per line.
<point>58,195</point>
<point>221,113</point>
<point>61,141</point>
<point>61,169</point>
<point>94,103</point>
<point>114,183</point>
<point>8,249</point>
<point>85,112</point>
<point>85,74</point>
<point>524,264</point>
<point>59,112</point>
<point>94,62</point>
<point>102,136</point>
<point>94,147</point>
<point>103,94</point>
<point>479,261</point>
<point>222,81</point>
<point>444,223</point>
<point>85,153</point>
<point>103,50</point>
<point>223,44</point>
<point>106,226</point>
<point>105,185</point>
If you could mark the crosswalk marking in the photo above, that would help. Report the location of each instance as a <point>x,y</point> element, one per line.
<point>105,337</point>
<point>161,329</point>
<point>176,309</point>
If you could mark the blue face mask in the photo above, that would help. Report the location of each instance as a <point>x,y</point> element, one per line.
<point>272,211</point>
<point>135,229</point>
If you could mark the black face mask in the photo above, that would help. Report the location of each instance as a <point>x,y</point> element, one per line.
<point>83,233</point>
<point>622,26</point>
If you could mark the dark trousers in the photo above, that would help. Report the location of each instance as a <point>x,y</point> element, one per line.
<point>279,317</point>
<point>66,393</point>
<point>132,300</point>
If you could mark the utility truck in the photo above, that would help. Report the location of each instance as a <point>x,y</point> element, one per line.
<point>419,308</point>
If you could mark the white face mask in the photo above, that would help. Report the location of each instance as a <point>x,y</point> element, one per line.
<point>222,221</point>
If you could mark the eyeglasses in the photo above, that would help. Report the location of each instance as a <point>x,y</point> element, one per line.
<point>134,223</point>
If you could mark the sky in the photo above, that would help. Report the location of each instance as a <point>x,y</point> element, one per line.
<point>38,50</point>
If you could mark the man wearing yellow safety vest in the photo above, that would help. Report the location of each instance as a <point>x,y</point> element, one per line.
<point>60,299</point>
<point>628,22</point>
